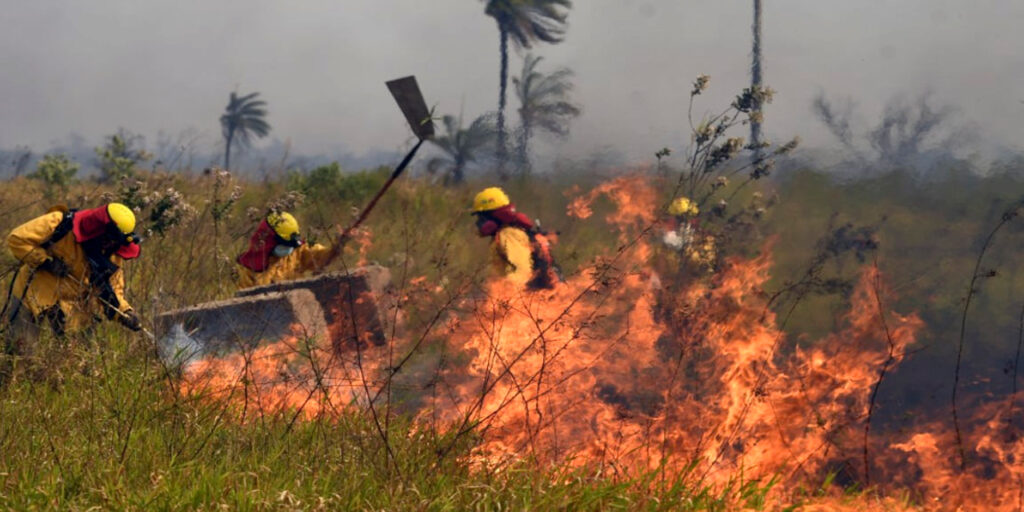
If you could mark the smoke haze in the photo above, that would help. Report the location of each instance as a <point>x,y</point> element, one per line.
<point>91,67</point>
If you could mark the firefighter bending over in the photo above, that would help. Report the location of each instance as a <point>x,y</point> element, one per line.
<point>71,270</point>
<point>278,253</point>
<point>519,250</point>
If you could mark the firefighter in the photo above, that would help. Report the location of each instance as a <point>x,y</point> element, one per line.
<point>696,247</point>
<point>70,274</point>
<point>519,250</point>
<point>278,253</point>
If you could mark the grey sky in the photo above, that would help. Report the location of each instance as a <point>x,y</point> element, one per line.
<point>92,66</point>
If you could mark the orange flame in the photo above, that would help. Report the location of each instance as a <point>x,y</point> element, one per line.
<point>297,375</point>
<point>614,370</point>
<point>363,237</point>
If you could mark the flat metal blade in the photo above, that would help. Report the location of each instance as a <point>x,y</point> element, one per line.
<point>409,98</point>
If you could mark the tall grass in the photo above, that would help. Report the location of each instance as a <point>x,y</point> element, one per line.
<point>101,428</point>
<point>96,421</point>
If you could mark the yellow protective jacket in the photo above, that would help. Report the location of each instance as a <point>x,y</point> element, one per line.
<point>511,254</point>
<point>304,259</point>
<point>76,297</point>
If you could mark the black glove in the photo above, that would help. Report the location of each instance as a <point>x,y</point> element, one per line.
<point>130,320</point>
<point>55,266</point>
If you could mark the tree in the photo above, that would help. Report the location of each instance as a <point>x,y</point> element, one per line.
<point>544,104</point>
<point>120,155</point>
<point>910,133</point>
<point>524,22</point>
<point>20,159</point>
<point>461,146</point>
<point>243,118</point>
<point>906,127</point>
<point>756,70</point>
<point>56,172</point>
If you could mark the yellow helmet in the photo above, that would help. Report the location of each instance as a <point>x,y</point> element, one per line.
<point>490,199</point>
<point>683,206</point>
<point>285,225</point>
<point>122,217</point>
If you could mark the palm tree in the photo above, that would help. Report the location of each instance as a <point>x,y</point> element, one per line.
<point>525,22</point>
<point>243,118</point>
<point>755,80</point>
<point>544,104</point>
<point>461,146</point>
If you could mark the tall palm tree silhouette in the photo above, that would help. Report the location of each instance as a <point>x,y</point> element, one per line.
<point>544,104</point>
<point>756,71</point>
<point>460,146</point>
<point>243,118</point>
<point>524,22</point>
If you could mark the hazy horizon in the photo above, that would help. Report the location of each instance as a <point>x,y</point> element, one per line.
<point>90,68</point>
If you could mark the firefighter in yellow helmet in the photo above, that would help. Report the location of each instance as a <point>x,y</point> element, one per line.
<point>680,229</point>
<point>519,250</point>
<point>70,273</point>
<point>696,246</point>
<point>278,253</point>
<point>683,206</point>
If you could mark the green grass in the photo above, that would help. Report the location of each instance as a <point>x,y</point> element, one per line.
<point>96,421</point>
<point>83,428</point>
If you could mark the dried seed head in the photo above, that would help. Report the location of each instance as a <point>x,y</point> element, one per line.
<point>700,84</point>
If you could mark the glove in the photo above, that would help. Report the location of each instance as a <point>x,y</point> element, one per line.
<point>55,266</point>
<point>131,321</point>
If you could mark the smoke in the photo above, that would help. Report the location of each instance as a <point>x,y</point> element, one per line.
<point>177,349</point>
<point>322,69</point>
<point>191,150</point>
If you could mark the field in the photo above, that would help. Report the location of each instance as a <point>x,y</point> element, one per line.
<point>812,367</point>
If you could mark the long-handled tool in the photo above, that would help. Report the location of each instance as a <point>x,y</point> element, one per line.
<point>409,98</point>
<point>4,322</point>
<point>115,309</point>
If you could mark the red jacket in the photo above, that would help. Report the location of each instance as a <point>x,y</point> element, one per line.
<point>504,217</point>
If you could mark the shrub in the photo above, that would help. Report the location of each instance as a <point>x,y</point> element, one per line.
<point>329,182</point>
<point>56,172</point>
<point>120,155</point>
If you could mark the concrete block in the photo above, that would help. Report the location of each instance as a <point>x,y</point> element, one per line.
<point>355,304</point>
<point>229,325</point>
